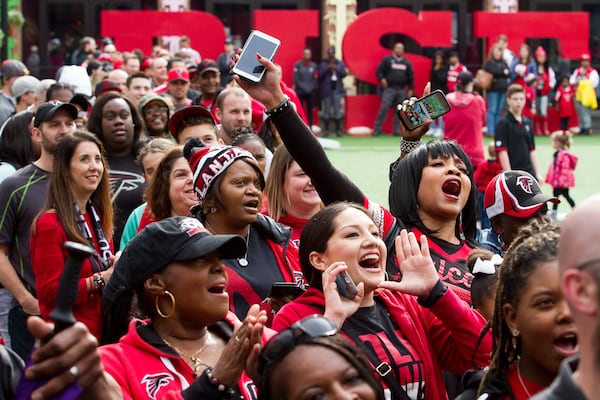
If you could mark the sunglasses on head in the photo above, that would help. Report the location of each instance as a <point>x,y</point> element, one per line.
<point>285,341</point>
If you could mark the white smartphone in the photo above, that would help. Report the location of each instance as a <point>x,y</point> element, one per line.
<point>247,66</point>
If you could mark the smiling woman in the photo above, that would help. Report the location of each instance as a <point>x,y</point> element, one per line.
<point>78,209</point>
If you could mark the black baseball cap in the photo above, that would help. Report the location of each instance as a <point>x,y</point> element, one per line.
<point>173,239</point>
<point>46,111</point>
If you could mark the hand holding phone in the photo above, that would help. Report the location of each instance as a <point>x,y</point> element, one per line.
<point>432,106</point>
<point>247,66</point>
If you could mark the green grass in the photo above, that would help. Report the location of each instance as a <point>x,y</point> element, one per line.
<point>366,161</point>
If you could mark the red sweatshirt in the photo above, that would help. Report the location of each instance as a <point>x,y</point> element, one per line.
<point>441,338</point>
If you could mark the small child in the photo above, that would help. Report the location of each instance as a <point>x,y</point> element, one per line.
<point>560,172</point>
<point>484,266</point>
<point>564,102</point>
<point>484,173</point>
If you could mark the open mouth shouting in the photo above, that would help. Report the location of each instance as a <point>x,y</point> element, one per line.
<point>566,344</point>
<point>452,188</point>
<point>370,261</point>
<point>252,206</point>
<point>219,289</point>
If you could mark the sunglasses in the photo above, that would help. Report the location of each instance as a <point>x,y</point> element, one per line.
<point>285,341</point>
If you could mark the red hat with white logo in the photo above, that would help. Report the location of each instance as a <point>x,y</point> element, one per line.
<point>179,74</point>
<point>514,193</point>
<point>586,57</point>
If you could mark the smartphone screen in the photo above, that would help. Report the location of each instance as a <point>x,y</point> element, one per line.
<point>248,66</point>
<point>431,106</point>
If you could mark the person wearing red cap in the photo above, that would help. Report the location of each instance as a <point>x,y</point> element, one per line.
<point>585,79</point>
<point>545,80</point>
<point>511,200</point>
<point>179,83</point>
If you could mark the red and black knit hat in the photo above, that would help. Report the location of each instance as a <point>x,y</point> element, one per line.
<point>208,163</point>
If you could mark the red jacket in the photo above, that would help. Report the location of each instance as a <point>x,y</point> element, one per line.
<point>560,171</point>
<point>145,372</point>
<point>443,336</point>
<point>565,97</point>
<point>48,259</point>
<point>485,172</point>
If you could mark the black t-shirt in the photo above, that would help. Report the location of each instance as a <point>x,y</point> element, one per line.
<point>376,333</point>
<point>128,184</point>
<point>517,140</point>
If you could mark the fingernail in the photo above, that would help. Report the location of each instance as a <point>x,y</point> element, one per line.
<point>258,56</point>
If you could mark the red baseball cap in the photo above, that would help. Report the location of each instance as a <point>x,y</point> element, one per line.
<point>586,57</point>
<point>178,74</point>
<point>514,193</point>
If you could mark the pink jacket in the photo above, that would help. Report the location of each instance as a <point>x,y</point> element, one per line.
<point>560,171</point>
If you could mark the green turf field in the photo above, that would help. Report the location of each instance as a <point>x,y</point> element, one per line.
<point>366,161</point>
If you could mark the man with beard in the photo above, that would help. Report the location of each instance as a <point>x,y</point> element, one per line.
<point>22,196</point>
<point>155,112</point>
<point>579,261</point>
<point>208,81</point>
<point>234,110</point>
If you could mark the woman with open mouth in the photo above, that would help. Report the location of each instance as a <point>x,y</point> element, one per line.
<point>410,330</point>
<point>229,185</point>
<point>532,325</point>
<point>431,192</point>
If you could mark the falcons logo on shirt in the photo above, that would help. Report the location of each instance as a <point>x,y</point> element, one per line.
<point>154,382</point>
<point>123,181</point>
<point>525,183</point>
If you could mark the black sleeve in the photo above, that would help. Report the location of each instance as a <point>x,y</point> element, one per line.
<point>304,147</point>
<point>381,69</point>
<point>202,388</point>
<point>410,76</point>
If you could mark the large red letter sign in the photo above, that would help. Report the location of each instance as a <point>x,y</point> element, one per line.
<point>292,28</point>
<point>135,29</point>
<point>362,52</point>
<point>571,29</point>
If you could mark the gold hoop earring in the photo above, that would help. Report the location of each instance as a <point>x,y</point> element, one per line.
<point>158,310</point>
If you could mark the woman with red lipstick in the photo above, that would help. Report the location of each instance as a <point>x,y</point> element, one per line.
<point>532,325</point>
<point>188,346</point>
<point>407,341</point>
<point>431,192</point>
<point>116,122</point>
<point>78,208</point>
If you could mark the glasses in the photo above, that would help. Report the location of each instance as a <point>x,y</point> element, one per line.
<point>588,263</point>
<point>152,110</point>
<point>284,342</point>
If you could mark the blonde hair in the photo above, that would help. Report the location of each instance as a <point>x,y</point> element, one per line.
<point>563,138</point>
<point>275,187</point>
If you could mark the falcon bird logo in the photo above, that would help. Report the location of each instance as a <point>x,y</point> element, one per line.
<point>154,382</point>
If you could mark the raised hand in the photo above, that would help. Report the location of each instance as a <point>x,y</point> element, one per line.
<point>418,133</point>
<point>268,90</point>
<point>419,275</point>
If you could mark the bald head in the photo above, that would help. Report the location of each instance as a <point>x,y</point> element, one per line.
<point>578,234</point>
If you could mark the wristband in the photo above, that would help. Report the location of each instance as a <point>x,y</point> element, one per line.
<point>406,146</point>
<point>99,282</point>
<point>436,293</point>
<point>281,107</point>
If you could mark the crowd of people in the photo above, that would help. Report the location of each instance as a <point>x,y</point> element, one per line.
<point>228,258</point>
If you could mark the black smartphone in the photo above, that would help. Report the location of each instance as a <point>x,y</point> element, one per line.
<point>432,106</point>
<point>282,290</point>
<point>247,66</point>
<point>345,285</point>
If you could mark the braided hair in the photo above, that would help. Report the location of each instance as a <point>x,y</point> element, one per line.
<point>535,243</point>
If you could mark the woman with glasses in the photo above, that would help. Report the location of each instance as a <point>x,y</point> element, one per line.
<point>187,344</point>
<point>323,362</point>
<point>115,121</point>
<point>410,329</point>
<point>155,112</point>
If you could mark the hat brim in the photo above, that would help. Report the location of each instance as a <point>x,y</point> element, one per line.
<point>177,119</point>
<point>205,70</point>
<point>228,246</point>
<point>532,204</point>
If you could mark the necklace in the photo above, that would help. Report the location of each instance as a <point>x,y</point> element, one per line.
<point>243,261</point>
<point>195,361</point>
<point>521,380</point>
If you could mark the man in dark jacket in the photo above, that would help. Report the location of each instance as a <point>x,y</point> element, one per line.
<point>331,73</point>
<point>395,73</point>
<point>305,82</point>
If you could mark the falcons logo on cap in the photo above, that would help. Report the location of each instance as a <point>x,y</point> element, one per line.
<point>154,382</point>
<point>526,183</point>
